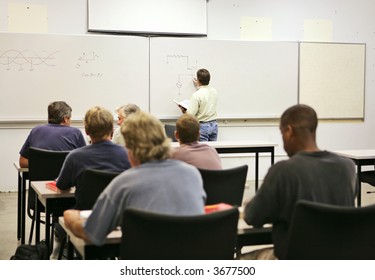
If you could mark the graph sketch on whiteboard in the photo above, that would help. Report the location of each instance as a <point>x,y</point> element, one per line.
<point>88,64</point>
<point>189,69</point>
<point>86,58</point>
<point>27,59</point>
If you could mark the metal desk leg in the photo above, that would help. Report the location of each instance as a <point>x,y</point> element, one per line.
<point>37,219</point>
<point>24,209</point>
<point>48,229</point>
<point>19,207</point>
<point>256,171</point>
<point>359,170</point>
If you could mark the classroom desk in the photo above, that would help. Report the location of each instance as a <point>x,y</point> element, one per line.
<point>22,176</point>
<point>360,158</point>
<point>55,204</point>
<point>88,251</point>
<point>233,147</point>
<point>247,236</point>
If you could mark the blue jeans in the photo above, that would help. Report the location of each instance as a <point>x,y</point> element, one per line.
<point>208,131</point>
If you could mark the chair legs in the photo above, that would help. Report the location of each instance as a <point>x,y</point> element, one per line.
<point>62,246</point>
<point>31,230</point>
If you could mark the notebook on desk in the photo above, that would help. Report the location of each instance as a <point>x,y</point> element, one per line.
<point>52,186</point>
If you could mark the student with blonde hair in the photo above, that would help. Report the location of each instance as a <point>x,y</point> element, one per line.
<point>155,183</point>
<point>101,154</point>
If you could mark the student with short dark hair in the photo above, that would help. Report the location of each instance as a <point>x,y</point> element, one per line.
<point>309,173</point>
<point>191,151</point>
<point>57,135</point>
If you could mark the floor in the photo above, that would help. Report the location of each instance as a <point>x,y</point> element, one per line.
<point>8,219</point>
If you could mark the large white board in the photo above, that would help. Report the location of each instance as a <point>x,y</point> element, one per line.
<point>181,17</point>
<point>82,70</point>
<point>253,79</point>
<point>332,79</point>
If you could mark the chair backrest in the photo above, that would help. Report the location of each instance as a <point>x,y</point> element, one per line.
<point>226,185</point>
<point>43,165</point>
<point>155,236</point>
<point>169,131</point>
<point>328,232</point>
<point>92,182</point>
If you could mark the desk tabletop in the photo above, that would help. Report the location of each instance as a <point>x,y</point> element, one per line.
<point>113,238</point>
<point>357,154</point>
<point>233,144</point>
<point>16,164</point>
<point>44,192</point>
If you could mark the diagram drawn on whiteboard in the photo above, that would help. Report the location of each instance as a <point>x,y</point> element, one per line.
<point>27,59</point>
<point>87,62</point>
<point>189,70</point>
<point>86,58</point>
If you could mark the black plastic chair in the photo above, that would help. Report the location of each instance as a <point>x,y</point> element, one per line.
<point>328,232</point>
<point>226,185</point>
<point>43,165</point>
<point>169,131</point>
<point>91,184</point>
<point>153,236</point>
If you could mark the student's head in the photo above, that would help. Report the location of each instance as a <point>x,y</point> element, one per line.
<point>187,129</point>
<point>298,128</point>
<point>59,112</point>
<point>98,123</point>
<point>124,111</point>
<point>203,76</point>
<point>145,138</point>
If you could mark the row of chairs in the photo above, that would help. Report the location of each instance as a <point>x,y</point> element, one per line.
<point>221,185</point>
<point>318,231</point>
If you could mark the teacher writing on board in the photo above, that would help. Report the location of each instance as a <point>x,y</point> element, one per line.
<point>203,105</point>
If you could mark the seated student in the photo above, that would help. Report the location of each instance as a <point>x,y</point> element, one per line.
<point>101,154</point>
<point>309,173</point>
<point>154,183</point>
<point>57,135</point>
<point>122,113</point>
<point>191,151</point>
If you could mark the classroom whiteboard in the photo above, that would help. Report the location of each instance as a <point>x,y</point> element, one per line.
<point>332,79</point>
<point>176,17</point>
<point>83,70</point>
<point>253,79</point>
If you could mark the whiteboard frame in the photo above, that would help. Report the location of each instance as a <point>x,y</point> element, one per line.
<point>148,17</point>
<point>331,97</point>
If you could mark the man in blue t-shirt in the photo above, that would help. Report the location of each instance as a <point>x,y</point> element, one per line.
<point>57,135</point>
<point>102,154</point>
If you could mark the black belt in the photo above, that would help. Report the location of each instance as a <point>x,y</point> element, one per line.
<point>208,121</point>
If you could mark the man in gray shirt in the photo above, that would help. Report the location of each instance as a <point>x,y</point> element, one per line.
<point>154,183</point>
<point>309,174</point>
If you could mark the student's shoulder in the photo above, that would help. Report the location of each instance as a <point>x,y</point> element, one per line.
<point>182,166</point>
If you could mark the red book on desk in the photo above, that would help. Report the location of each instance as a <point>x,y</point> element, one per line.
<point>216,207</point>
<point>52,186</point>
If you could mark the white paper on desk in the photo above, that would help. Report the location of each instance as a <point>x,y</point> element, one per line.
<point>84,214</point>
